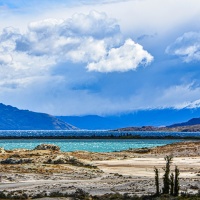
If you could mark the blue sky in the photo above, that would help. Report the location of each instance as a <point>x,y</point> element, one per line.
<point>99,57</point>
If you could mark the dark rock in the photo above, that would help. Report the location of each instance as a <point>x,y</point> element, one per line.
<point>194,187</point>
<point>47,147</point>
<point>142,150</point>
<point>13,161</point>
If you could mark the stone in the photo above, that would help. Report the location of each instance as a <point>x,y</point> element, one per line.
<point>47,147</point>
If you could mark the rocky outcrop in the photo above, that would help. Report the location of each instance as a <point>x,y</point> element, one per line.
<point>47,147</point>
<point>71,160</point>
<point>61,159</point>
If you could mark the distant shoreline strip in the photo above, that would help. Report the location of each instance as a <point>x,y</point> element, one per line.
<point>102,137</point>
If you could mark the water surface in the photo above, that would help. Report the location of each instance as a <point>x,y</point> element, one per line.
<point>95,145</point>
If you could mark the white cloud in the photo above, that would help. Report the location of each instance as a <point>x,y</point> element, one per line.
<point>95,24</point>
<point>5,59</point>
<point>88,50</point>
<point>93,40</point>
<point>127,57</point>
<point>135,16</point>
<point>179,96</point>
<point>187,47</point>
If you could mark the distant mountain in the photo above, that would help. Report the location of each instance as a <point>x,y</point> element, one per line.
<point>189,128</point>
<point>12,118</point>
<point>154,117</point>
<point>192,125</point>
<point>191,122</point>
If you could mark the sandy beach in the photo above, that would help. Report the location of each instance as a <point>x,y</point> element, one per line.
<point>132,171</point>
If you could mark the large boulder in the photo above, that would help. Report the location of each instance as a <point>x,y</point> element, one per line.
<point>51,147</point>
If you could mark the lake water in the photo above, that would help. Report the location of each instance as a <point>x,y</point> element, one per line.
<point>95,145</point>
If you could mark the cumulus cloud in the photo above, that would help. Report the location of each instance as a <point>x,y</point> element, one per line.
<point>127,57</point>
<point>186,46</point>
<point>94,40</point>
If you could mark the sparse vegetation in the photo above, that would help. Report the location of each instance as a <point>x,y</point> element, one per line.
<point>176,182</point>
<point>170,182</point>
<point>157,181</point>
<point>166,179</point>
<point>80,194</point>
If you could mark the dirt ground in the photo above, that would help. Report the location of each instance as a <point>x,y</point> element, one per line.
<point>130,171</point>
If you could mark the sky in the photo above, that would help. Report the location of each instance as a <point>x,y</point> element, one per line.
<point>71,57</point>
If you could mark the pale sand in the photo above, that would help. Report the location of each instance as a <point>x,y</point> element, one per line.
<point>144,167</point>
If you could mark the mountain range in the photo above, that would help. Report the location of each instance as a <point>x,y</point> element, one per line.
<point>12,118</point>
<point>154,117</point>
<point>181,127</point>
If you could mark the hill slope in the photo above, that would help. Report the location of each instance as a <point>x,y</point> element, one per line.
<point>192,125</point>
<point>191,122</point>
<point>12,118</point>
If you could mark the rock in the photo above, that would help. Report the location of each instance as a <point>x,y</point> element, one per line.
<point>47,147</point>
<point>194,187</point>
<point>60,160</point>
<point>10,179</point>
<point>16,161</point>
<point>142,150</point>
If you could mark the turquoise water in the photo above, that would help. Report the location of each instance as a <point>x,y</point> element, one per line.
<point>95,145</point>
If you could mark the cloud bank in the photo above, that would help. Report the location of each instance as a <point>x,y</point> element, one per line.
<point>186,47</point>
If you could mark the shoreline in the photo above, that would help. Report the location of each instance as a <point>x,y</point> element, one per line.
<point>130,137</point>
